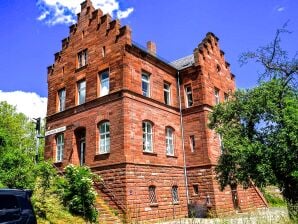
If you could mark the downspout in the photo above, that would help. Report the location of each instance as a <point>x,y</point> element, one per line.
<point>182,138</point>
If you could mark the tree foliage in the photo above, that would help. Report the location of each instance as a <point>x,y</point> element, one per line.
<point>260,125</point>
<point>77,192</point>
<point>17,147</point>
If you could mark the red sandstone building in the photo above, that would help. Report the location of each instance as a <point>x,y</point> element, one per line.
<point>140,122</point>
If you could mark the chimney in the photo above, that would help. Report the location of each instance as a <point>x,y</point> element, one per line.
<point>151,47</point>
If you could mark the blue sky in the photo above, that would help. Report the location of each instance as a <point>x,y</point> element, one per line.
<point>31,32</point>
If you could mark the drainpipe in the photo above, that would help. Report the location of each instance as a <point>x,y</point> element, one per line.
<point>182,138</point>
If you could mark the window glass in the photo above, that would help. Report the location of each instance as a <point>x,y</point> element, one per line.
<point>169,141</point>
<point>188,92</point>
<point>147,137</point>
<point>59,147</point>
<point>104,83</point>
<point>152,195</point>
<point>192,143</point>
<point>8,202</point>
<point>61,95</point>
<point>82,58</point>
<point>81,92</point>
<point>216,95</point>
<point>145,85</point>
<point>175,195</point>
<point>196,189</point>
<point>104,140</point>
<point>167,93</point>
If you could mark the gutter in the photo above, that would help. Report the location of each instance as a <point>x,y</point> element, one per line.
<point>182,138</point>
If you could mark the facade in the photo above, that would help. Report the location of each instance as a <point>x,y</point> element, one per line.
<point>140,122</point>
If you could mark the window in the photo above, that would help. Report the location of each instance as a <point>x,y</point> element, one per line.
<point>169,141</point>
<point>145,85</point>
<point>167,93</point>
<point>195,189</point>
<point>104,83</point>
<point>103,51</point>
<point>175,195</point>
<point>8,202</point>
<point>104,139</point>
<point>61,96</point>
<point>216,95</point>
<point>81,92</point>
<point>147,137</point>
<point>82,58</point>
<point>59,147</point>
<point>188,93</point>
<point>152,195</point>
<point>192,143</point>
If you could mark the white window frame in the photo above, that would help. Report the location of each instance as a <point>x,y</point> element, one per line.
<point>59,147</point>
<point>81,89</point>
<point>104,83</point>
<point>147,136</point>
<point>104,137</point>
<point>82,58</point>
<point>146,81</point>
<point>167,93</point>
<point>216,96</point>
<point>61,99</point>
<point>170,141</point>
<point>188,94</point>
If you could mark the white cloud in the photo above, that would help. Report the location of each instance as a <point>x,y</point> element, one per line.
<point>64,11</point>
<point>29,103</point>
<point>124,14</point>
<point>280,9</point>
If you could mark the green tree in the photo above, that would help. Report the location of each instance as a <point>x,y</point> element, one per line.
<point>260,126</point>
<point>17,146</point>
<point>77,192</point>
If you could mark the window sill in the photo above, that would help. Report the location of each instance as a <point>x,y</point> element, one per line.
<point>102,156</point>
<point>81,68</point>
<point>172,156</point>
<point>154,205</point>
<point>150,153</point>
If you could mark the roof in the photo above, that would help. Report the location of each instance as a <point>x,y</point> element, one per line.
<point>183,62</point>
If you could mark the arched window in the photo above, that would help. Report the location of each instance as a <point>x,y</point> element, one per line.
<point>147,137</point>
<point>169,141</point>
<point>104,137</point>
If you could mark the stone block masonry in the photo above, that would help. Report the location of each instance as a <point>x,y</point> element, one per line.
<point>115,107</point>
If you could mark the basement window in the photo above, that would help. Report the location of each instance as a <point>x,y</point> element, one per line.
<point>175,195</point>
<point>152,195</point>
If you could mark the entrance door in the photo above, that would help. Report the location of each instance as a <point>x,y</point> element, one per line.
<point>80,134</point>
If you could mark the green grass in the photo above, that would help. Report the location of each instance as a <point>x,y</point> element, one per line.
<point>273,197</point>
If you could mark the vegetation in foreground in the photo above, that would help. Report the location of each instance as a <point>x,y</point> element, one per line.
<point>259,127</point>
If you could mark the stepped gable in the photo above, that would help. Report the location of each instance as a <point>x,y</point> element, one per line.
<point>87,20</point>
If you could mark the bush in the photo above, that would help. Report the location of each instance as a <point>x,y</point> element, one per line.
<point>77,193</point>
